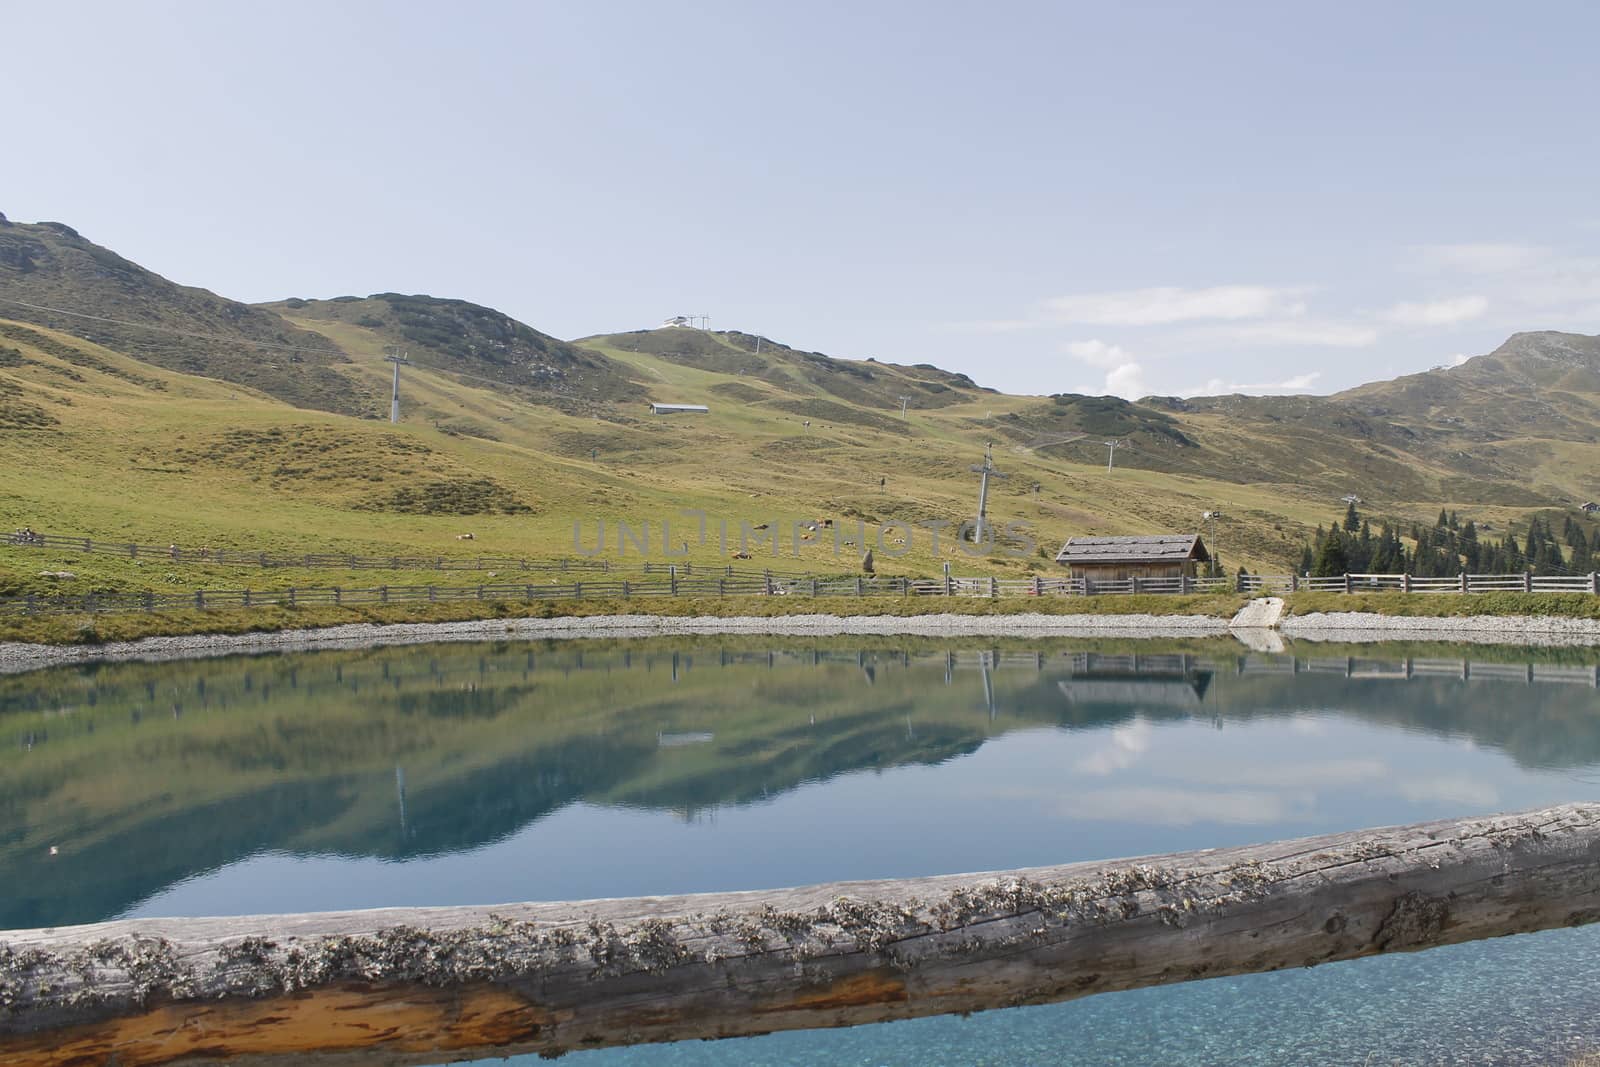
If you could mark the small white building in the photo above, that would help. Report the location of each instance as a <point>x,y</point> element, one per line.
<point>677,320</point>
<point>679,409</point>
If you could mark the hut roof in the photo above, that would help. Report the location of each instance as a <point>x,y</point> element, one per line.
<point>1161,548</point>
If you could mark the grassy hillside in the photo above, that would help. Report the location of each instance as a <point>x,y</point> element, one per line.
<point>516,437</point>
<point>469,339</point>
<point>119,304</point>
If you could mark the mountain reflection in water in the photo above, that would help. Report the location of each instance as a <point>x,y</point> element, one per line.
<point>144,777</point>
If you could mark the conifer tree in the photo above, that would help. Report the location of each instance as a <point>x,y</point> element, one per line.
<point>1332,560</point>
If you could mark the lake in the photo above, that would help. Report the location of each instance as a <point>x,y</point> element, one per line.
<point>478,774</point>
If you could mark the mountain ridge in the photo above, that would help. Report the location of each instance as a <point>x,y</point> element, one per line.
<point>52,276</point>
<point>562,428</point>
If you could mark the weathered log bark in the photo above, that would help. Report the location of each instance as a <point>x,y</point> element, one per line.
<point>420,986</point>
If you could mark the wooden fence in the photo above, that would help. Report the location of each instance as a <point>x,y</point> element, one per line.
<point>1407,583</point>
<point>732,582</point>
<point>673,583</point>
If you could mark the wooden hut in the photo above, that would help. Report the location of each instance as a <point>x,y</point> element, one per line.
<point>1116,559</point>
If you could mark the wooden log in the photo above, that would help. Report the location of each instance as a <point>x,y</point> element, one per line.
<point>399,986</point>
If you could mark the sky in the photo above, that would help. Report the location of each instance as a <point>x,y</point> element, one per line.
<point>1135,199</point>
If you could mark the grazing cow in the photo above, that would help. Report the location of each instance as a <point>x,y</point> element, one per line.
<point>465,537</point>
<point>741,555</point>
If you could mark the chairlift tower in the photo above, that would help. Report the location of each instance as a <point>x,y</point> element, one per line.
<point>398,358</point>
<point>1111,454</point>
<point>986,469</point>
<point>1210,518</point>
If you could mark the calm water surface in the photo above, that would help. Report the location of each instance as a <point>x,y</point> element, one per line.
<point>477,774</point>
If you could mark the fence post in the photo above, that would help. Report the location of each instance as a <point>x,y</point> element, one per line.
<point>88,545</point>
<point>672,578</point>
<point>1038,586</point>
<point>577,590</point>
<point>624,589</point>
<point>722,586</point>
<point>1405,583</point>
<point>1183,583</point>
<point>994,587</point>
<point>32,606</point>
<point>949,585</point>
<point>1134,585</point>
<point>247,598</point>
<point>1349,585</point>
<point>1463,581</point>
<point>480,593</point>
<point>1594,582</point>
<point>133,551</point>
<point>291,596</point>
<point>858,585</point>
<point>149,601</point>
<point>813,588</point>
<point>766,581</point>
<point>1294,583</point>
<point>200,599</point>
<point>338,597</point>
<point>1527,581</point>
<point>527,593</point>
<point>433,594</point>
<point>383,594</point>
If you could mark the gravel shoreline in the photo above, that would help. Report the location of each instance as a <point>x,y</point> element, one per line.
<point>1360,627</point>
<point>1345,627</point>
<point>16,656</point>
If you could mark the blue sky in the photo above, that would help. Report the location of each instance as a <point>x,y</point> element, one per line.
<point>1139,198</point>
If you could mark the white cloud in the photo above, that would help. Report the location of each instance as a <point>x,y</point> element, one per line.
<point>994,325</point>
<point>1124,374</point>
<point>1457,789</point>
<point>1098,353</point>
<point>1322,333</point>
<point>1127,381</point>
<point>1309,775</point>
<point>1299,383</point>
<point>1161,806</point>
<point>1162,305</point>
<point>1438,312</point>
<point>1482,257</point>
<point>1128,744</point>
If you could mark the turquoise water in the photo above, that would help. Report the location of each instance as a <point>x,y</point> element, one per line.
<point>488,773</point>
<point>1532,999</point>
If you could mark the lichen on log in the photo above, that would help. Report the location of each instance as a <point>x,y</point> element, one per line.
<point>412,985</point>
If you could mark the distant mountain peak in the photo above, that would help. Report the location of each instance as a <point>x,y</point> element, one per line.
<point>450,334</point>
<point>98,295</point>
